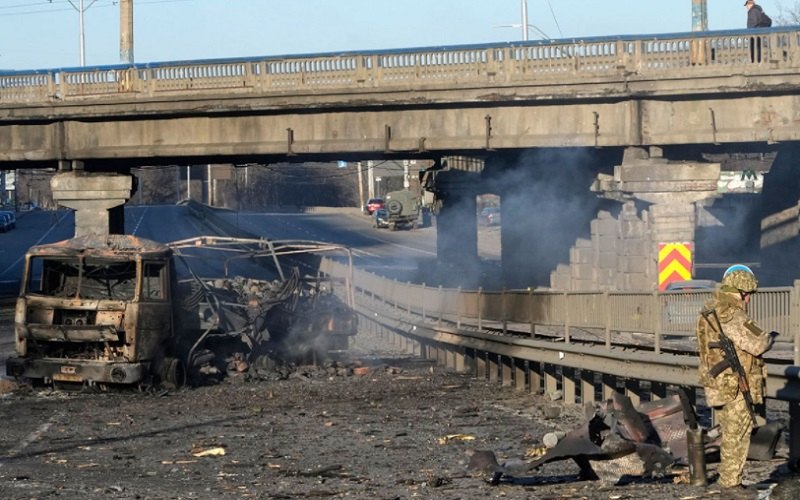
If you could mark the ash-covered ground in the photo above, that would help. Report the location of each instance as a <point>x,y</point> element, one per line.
<point>401,428</point>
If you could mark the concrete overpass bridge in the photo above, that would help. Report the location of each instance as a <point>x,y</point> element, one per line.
<point>663,99</point>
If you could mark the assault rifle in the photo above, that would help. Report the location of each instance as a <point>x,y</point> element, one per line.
<point>731,361</point>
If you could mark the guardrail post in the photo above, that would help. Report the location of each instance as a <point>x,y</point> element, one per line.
<point>395,301</point>
<point>658,390</point>
<point>609,385</point>
<point>656,308</point>
<point>535,377</point>
<point>507,370</point>
<point>568,385</point>
<point>424,317</point>
<point>550,379</point>
<point>408,302</point>
<point>460,361</point>
<point>794,321</point>
<point>519,374</point>
<point>458,308</point>
<point>607,300</point>
<point>566,318</point>
<point>587,387</point>
<point>503,309</point>
<point>480,364</point>
<point>441,307</point>
<point>530,311</point>
<point>634,391</point>
<point>480,309</point>
<point>494,367</point>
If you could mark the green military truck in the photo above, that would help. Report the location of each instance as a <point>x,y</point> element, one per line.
<point>403,208</point>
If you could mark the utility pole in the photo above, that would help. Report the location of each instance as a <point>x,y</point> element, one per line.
<point>370,180</point>
<point>525,20</point>
<point>360,187</point>
<point>126,31</point>
<point>82,40</point>
<point>699,15</point>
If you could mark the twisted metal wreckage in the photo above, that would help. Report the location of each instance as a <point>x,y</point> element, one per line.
<point>112,309</point>
<point>620,443</point>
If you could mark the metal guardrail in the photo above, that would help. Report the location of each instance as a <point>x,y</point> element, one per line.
<point>660,315</point>
<point>473,318</point>
<point>621,58</point>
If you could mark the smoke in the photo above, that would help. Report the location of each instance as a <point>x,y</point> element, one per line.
<point>781,192</point>
<point>546,205</point>
<point>726,232</point>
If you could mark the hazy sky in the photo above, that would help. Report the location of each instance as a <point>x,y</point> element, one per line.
<point>45,33</point>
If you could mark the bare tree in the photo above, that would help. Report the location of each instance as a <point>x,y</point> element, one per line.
<point>788,15</point>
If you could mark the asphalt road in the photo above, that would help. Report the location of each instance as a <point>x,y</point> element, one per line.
<point>404,430</point>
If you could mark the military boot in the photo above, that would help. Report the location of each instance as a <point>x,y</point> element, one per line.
<point>738,492</point>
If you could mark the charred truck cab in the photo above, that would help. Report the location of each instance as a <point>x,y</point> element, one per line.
<point>112,310</point>
<point>96,309</point>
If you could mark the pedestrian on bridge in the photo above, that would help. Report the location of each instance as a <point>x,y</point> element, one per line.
<point>756,18</point>
<point>726,313</point>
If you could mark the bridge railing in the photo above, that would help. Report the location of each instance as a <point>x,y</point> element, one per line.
<point>658,318</point>
<point>613,57</point>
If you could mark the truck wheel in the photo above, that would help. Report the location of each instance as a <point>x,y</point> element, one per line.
<point>173,372</point>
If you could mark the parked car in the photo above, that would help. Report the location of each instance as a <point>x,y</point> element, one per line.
<point>490,216</point>
<point>8,221</point>
<point>380,218</point>
<point>372,205</point>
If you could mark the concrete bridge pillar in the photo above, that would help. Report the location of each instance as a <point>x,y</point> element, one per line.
<point>94,197</point>
<point>457,240</point>
<point>671,188</point>
<point>457,261</point>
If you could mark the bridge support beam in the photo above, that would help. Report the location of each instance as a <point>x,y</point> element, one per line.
<point>93,196</point>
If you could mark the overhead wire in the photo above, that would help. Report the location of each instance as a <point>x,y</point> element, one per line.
<point>553,13</point>
<point>41,9</point>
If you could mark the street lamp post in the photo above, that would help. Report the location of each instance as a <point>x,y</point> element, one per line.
<point>525,20</point>
<point>525,25</point>
<point>82,40</point>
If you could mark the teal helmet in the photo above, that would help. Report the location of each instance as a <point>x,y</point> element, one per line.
<point>740,277</point>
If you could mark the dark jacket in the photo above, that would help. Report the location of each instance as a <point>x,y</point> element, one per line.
<point>754,16</point>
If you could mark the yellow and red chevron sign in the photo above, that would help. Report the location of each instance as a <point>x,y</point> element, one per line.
<point>674,263</point>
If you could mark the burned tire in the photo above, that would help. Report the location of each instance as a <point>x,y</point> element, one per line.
<point>394,207</point>
<point>173,372</point>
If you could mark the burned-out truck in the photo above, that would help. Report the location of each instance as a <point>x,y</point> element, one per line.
<point>117,309</point>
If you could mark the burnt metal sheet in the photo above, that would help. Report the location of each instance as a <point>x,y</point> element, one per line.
<point>64,333</point>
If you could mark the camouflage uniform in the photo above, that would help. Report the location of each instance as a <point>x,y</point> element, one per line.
<point>722,392</point>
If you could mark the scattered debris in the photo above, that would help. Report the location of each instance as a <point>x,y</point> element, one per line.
<point>552,438</point>
<point>455,437</point>
<point>7,386</point>
<point>209,452</point>
<point>620,442</point>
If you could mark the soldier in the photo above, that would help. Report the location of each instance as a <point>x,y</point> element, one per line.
<point>722,391</point>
